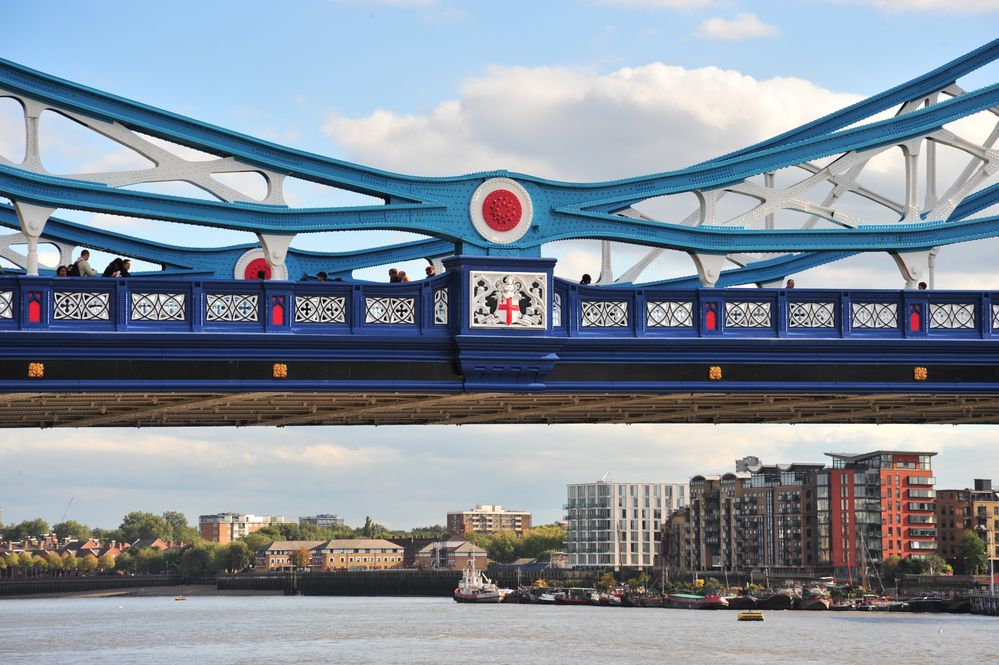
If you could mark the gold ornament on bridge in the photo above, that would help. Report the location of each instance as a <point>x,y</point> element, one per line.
<point>36,370</point>
<point>714,373</point>
<point>280,371</point>
<point>919,373</point>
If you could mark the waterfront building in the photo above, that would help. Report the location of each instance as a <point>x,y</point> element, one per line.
<point>617,525</point>
<point>488,518</point>
<point>874,505</point>
<point>278,555</point>
<point>451,555</point>
<point>227,527</point>
<point>357,554</point>
<point>968,509</point>
<point>323,520</point>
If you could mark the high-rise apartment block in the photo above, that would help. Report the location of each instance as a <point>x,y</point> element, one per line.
<point>227,527</point>
<point>486,518</point>
<point>806,516</point>
<point>616,525</point>
<point>876,505</point>
<point>761,517</point>
<point>324,520</point>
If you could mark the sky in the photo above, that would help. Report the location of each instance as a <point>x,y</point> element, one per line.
<point>572,90</point>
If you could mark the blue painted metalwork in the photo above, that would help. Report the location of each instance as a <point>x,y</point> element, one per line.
<point>439,207</point>
<point>663,333</point>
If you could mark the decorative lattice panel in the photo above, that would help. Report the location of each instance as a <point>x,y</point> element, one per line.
<point>880,315</point>
<point>158,306</point>
<point>747,314</point>
<point>811,315</point>
<point>6,304</point>
<point>440,307</point>
<point>952,316</point>
<point>556,309</point>
<point>508,300</point>
<point>80,306</point>
<point>389,310</point>
<point>320,309</point>
<point>669,314</point>
<point>232,308</point>
<point>604,314</point>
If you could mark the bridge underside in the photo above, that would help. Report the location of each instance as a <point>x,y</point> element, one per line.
<point>209,409</point>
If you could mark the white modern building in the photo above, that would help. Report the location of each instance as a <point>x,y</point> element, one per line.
<point>616,525</point>
<point>324,520</point>
<point>227,527</point>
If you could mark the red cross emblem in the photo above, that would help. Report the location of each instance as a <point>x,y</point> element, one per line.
<point>508,306</point>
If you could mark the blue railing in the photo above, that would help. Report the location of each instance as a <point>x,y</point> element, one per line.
<point>437,307</point>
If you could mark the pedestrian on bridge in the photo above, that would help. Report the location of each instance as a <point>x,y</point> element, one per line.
<point>82,264</point>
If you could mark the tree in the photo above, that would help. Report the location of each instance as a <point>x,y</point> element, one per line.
<point>301,558</point>
<point>106,562</point>
<point>235,557</point>
<point>970,556</point>
<point>435,531</point>
<point>147,559</point>
<point>198,560</point>
<point>125,562</point>
<point>372,530</point>
<point>54,561</point>
<point>257,541</point>
<point>69,562</point>
<point>107,535</point>
<point>26,529</point>
<point>179,527</point>
<point>39,563</point>
<point>937,565</point>
<point>137,525</point>
<point>86,564</point>
<point>72,529</point>
<point>502,546</point>
<point>12,561</point>
<point>547,538</point>
<point>607,581</point>
<point>25,562</point>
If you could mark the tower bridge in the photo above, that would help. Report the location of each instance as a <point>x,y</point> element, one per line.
<point>496,337</point>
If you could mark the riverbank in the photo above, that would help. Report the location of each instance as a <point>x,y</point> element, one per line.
<point>186,590</point>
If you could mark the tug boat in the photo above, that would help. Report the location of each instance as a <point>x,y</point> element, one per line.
<point>475,587</point>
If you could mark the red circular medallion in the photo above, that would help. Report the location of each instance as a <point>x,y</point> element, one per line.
<point>255,267</point>
<point>501,210</point>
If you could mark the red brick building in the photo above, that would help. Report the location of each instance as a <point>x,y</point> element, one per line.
<point>874,505</point>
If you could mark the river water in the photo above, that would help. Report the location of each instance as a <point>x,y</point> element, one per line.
<point>275,629</point>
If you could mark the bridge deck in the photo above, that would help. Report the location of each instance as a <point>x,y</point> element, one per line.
<point>292,409</point>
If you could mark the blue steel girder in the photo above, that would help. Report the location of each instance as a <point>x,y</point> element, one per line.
<point>220,262</point>
<point>439,207</point>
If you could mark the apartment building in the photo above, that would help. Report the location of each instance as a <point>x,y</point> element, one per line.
<point>323,520</point>
<point>328,555</point>
<point>616,525</point>
<point>874,505</point>
<point>451,555</point>
<point>964,510</point>
<point>488,518</point>
<point>227,527</point>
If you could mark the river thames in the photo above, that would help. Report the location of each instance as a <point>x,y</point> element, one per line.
<point>278,629</point>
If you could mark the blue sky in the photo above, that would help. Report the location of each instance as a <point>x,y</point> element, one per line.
<point>572,90</point>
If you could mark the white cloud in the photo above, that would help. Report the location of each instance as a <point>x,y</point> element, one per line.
<point>575,124</point>
<point>745,25</point>
<point>943,6</point>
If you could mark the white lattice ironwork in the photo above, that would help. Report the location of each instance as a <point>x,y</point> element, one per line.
<point>995,317</point>
<point>882,315</point>
<point>389,310</point>
<point>508,300</point>
<point>811,315</point>
<point>232,308</point>
<point>748,314</point>
<point>320,309</point>
<point>440,307</point>
<point>604,314</point>
<point>81,306</point>
<point>669,314</point>
<point>6,304</point>
<point>158,306</point>
<point>556,310</point>
<point>952,316</point>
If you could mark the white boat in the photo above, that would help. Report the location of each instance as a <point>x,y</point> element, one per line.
<point>475,587</point>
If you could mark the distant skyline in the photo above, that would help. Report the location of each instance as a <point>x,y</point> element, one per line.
<point>586,89</point>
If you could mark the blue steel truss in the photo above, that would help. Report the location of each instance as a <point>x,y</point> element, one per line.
<point>439,207</point>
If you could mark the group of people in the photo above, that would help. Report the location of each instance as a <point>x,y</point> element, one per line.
<point>396,275</point>
<point>81,268</point>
